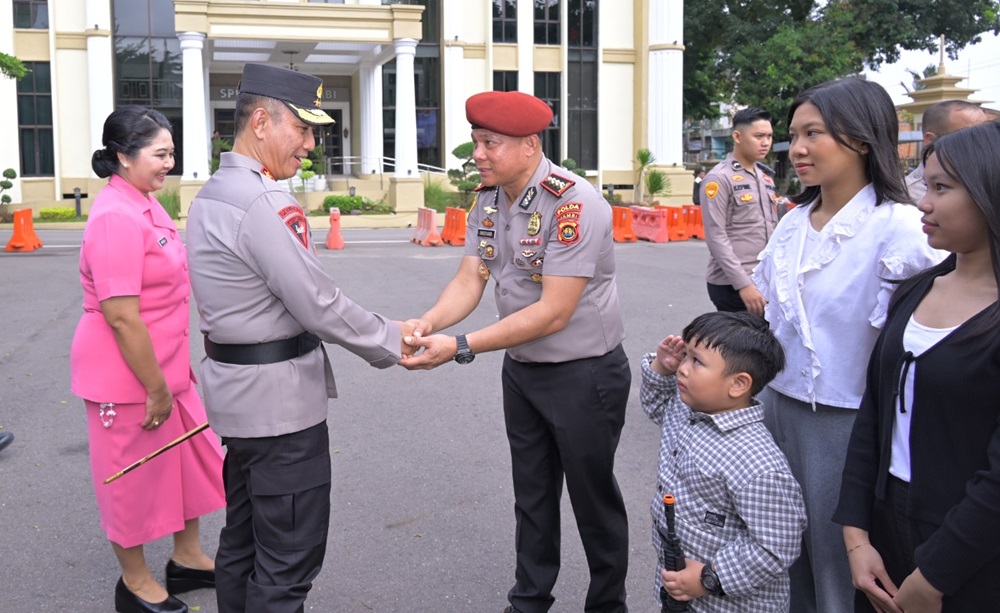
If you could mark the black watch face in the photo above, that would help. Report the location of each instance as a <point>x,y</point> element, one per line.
<point>710,582</point>
<point>464,358</point>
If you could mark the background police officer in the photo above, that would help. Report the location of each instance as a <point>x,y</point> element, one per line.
<point>738,209</point>
<point>265,304</point>
<point>547,243</point>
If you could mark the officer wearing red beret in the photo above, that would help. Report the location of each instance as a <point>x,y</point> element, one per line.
<point>546,242</point>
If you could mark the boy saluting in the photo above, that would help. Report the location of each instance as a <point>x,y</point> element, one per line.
<point>740,514</point>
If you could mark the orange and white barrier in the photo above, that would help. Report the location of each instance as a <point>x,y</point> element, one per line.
<point>334,240</point>
<point>427,233</point>
<point>676,224</point>
<point>24,238</point>
<point>693,221</point>
<point>622,224</point>
<point>454,226</point>
<point>650,224</point>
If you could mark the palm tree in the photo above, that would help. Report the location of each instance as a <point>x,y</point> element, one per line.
<point>644,158</point>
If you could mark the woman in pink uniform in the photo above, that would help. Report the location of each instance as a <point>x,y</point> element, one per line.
<point>131,365</point>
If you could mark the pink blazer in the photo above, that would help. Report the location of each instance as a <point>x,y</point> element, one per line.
<point>131,247</point>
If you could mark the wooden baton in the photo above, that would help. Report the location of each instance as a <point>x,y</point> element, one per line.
<point>166,447</point>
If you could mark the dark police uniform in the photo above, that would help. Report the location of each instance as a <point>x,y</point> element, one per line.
<point>265,304</point>
<point>738,210</point>
<point>564,394</point>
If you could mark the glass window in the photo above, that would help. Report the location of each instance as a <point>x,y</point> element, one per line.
<point>582,24</point>
<point>505,21</point>
<point>427,85</point>
<point>148,64</point>
<point>581,74</point>
<point>34,119</point>
<point>32,14</point>
<point>547,86</point>
<point>505,80</point>
<point>546,22</point>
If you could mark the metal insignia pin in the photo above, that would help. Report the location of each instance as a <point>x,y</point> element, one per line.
<point>534,223</point>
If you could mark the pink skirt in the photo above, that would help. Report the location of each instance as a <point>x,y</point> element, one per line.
<point>155,499</point>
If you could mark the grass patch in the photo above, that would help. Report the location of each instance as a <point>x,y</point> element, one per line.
<point>170,200</point>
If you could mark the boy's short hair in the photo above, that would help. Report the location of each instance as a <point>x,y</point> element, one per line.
<point>744,341</point>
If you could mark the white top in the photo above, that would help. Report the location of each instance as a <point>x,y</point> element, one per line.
<point>812,240</point>
<point>917,339</point>
<point>827,308</point>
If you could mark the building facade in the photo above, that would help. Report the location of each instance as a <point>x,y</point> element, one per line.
<point>396,76</point>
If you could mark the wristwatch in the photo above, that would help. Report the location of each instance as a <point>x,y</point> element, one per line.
<point>464,355</point>
<point>710,581</point>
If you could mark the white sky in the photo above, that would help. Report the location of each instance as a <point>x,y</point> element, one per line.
<point>979,64</point>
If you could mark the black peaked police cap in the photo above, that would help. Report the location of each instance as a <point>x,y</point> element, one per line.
<point>301,92</point>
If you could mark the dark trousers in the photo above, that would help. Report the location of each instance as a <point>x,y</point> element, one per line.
<point>725,298</point>
<point>564,420</point>
<point>896,537</point>
<point>277,517</point>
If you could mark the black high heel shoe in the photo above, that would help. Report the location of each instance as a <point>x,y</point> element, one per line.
<point>127,602</point>
<point>182,579</point>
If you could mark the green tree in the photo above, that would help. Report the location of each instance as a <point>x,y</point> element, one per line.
<point>644,160</point>
<point>466,179</point>
<point>11,67</point>
<point>763,52</point>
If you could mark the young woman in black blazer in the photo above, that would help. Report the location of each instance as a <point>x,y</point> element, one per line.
<point>920,498</point>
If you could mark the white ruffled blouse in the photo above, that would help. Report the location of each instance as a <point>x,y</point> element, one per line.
<point>827,308</point>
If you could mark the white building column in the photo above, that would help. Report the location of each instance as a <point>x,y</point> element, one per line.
<point>456,128</point>
<point>371,119</point>
<point>10,153</point>
<point>666,81</point>
<point>195,121</point>
<point>406,109</point>
<point>100,68</point>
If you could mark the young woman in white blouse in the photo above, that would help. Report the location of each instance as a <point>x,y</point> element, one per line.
<point>921,490</point>
<point>827,274</point>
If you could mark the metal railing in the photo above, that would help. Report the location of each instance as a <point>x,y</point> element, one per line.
<point>351,166</point>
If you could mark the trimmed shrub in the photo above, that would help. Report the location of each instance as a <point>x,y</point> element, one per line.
<point>346,204</point>
<point>58,213</point>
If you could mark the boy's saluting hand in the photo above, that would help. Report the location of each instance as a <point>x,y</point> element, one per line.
<point>669,354</point>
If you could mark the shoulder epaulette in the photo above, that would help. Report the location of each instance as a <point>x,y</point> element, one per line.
<point>557,185</point>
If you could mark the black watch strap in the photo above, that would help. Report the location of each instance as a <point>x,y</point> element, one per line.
<point>463,355</point>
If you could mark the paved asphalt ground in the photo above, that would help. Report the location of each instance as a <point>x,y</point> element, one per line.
<point>422,516</point>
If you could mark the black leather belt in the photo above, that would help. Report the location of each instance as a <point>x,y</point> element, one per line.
<point>262,353</point>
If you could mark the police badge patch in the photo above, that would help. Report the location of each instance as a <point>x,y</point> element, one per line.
<point>295,221</point>
<point>567,219</point>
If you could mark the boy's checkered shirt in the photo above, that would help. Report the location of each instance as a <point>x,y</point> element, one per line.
<point>738,505</point>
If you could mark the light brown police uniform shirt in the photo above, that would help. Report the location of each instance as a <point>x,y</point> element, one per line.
<point>557,226</point>
<point>738,211</point>
<point>256,278</point>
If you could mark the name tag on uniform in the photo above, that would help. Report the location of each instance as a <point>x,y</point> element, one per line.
<point>486,233</point>
<point>741,187</point>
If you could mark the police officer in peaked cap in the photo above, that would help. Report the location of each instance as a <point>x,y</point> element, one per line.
<point>266,305</point>
<point>545,241</point>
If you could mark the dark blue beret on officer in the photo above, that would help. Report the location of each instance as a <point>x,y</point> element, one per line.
<point>302,93</point>
<point>508,113</point>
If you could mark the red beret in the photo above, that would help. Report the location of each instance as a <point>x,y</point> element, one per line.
<point>509,113</point>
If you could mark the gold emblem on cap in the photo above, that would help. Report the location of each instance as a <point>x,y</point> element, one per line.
<point>534,223</point>
<point>319,95</point>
